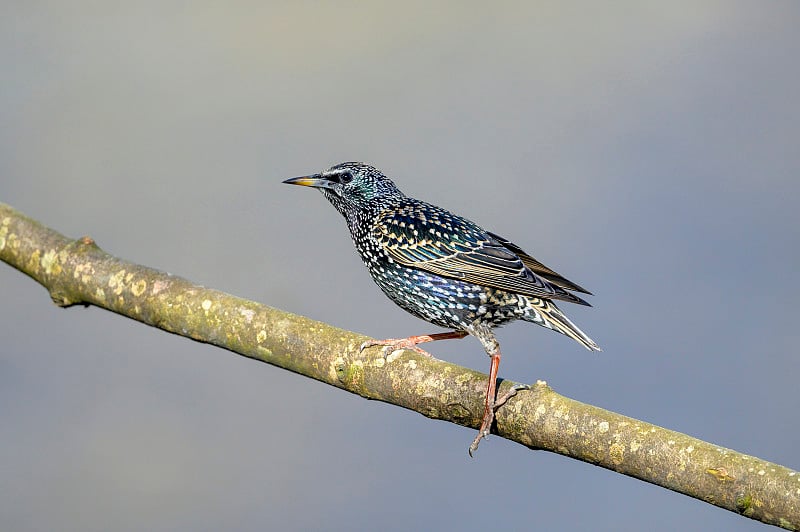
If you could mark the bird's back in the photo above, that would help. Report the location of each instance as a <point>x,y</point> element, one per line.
<point>426,237</point>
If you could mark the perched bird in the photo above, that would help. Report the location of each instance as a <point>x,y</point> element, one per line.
<point>445,269</point>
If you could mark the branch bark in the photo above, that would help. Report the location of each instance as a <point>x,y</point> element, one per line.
<point>78,272</point>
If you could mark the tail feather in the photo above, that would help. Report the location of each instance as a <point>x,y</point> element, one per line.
<point>545,313</point>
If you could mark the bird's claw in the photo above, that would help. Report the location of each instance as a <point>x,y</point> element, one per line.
<point>488,417</point>
<point>474,445</point>
<point>386,350</point>
<point>365,345</point>
<point>509,394</point>
<point>390,345</point>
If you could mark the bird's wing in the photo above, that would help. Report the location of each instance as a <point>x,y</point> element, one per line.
<point>538,268</point>
<point>429,238</point>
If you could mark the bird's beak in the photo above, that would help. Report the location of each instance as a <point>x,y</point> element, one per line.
<point>315,180</point>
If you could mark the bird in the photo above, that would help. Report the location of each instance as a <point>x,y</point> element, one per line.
<point>445,269</point>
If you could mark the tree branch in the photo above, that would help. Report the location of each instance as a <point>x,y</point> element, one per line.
<point>78,272</point>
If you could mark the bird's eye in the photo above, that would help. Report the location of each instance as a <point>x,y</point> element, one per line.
<point>345,177</point>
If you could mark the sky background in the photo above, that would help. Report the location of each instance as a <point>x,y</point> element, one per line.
<point>648,151</point>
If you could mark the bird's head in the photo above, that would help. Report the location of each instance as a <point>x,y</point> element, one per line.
<point>350,187</point>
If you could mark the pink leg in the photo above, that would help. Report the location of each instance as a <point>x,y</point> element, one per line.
<point>396,344</point>
<point>490,405</point>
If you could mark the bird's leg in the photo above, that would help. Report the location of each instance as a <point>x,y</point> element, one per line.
<point>395,344</point>
<point>489,404</point>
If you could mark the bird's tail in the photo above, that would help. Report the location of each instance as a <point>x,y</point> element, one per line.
<point>545,313</point>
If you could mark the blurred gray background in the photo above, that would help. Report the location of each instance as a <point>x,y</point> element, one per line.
<point>648,151</point>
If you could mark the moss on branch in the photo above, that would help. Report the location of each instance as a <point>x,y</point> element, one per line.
<point>78,272</point>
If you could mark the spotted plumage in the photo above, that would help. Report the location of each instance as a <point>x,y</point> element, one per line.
<point>444,268</point>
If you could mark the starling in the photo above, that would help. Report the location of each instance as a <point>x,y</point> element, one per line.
<point>445,269</point>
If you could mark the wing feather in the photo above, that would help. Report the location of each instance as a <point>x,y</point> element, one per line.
<point>429,238</point>
<point>540,269</point>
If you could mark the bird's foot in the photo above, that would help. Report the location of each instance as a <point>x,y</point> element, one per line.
<point>395,344</point>
<point>483,432</point>
<point>390,345</point>
<point>488,415</point>
<point>509,394</point>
